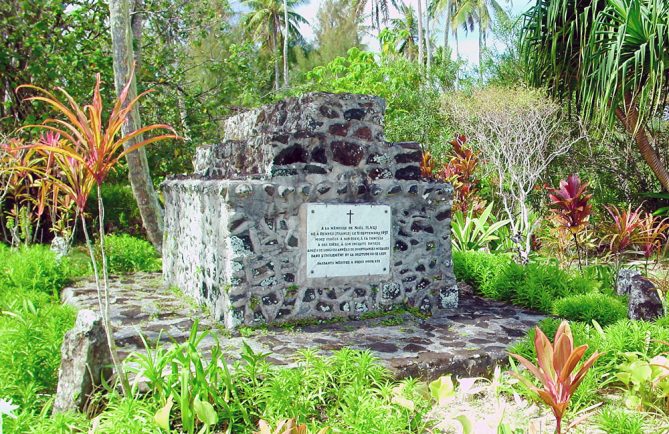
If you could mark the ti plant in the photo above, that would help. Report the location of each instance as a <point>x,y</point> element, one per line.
<point>460,172</point>
<point>86,151</point>
<point>427,165</point>
<point>571,205</point>
<point>652,236</point>
<point>623,228</point>
<point>556,369</point>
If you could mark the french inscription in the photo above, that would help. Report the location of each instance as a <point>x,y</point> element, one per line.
<point>347,240</point>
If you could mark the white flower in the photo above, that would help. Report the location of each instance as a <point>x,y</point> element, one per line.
<point>7,408</point>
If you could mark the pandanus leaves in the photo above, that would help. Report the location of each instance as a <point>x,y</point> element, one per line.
<point>557,369</point>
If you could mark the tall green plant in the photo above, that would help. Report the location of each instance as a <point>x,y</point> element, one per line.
<point>88,151</point>
<point>470,232</point>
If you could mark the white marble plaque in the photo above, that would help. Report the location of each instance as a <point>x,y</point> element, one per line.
<point>347,240</point>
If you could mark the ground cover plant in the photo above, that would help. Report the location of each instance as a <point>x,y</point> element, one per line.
<point>32,324</point>
<point>128,254</point>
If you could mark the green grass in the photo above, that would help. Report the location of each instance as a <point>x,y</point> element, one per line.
<point>32,326</point>
<point>535,286</point>
<point>616,420</point>
<point>605,309</point>
<point>127,254</point>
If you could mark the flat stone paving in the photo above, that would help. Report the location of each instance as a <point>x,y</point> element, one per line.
<point>467,341</point>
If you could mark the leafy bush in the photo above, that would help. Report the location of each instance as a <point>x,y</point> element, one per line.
<point>534,286</point>
<point>33,268</point>
<point>30,340</point>
<point>126,254</point>
<point>479,268</point>
<point>469,232</point>
<point>604,309</point>
<point>121,211</point>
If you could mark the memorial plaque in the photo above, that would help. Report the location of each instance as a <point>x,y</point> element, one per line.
<point>347,240</point>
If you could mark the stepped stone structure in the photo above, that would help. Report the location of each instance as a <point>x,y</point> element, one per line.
<point>305,211</point>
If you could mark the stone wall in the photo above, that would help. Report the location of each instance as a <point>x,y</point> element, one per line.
<point>234,231</point>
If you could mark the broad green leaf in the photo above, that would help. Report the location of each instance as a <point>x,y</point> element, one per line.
<point>442,389</point>
<point>467,425</point>
<point>162,416</point>
<point>640,372</point>
<point>205,412</point>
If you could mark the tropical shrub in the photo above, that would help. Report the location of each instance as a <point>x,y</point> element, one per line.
<point>623,228</point>
<point>534,286</point>
<point>646,381</point>
<point>556,369</point>
<point>471,232</point>
<point>518,132</point>
<point>605,309</point>
<point>570,204</point>
<point>479,269</point>
<point>85,147</point>
<point>33,268</point>
<point>30,340</point>
<point>612,341</point>
<point>127,254</point>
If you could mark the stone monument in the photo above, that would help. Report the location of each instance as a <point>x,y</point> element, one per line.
<point>305,211</point>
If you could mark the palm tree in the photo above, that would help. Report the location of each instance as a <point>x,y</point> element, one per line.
<point>470,13</point>
<point>421,41</point>
<point>380,10</point>
<point>446,7</point>
<point>406,29</point>
<point>265,22</point>
<point>609,57</point>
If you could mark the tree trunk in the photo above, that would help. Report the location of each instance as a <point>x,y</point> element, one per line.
<point>457,44</point>
<point>275,51</point>
<point>630,119</point>
<point>447,24</point>
<point>138,167</point>
<point>480,54</point>
<point>136,24</point>
<point>420,33</point>
<point>285,43</point>
<point>428,43</point>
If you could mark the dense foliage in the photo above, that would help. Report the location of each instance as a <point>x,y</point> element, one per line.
<point>128,254</point>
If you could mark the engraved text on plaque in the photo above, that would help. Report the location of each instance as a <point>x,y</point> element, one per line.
<point>347,240</point>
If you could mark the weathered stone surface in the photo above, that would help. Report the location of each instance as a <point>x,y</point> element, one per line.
<point>644,302</point>
<point>85,360</point>
<point>243,206</point>
<point>465,341</point>
<point>60,246</point>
